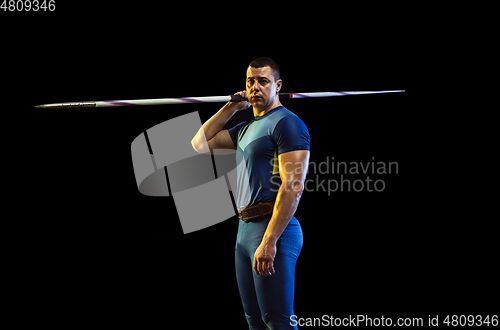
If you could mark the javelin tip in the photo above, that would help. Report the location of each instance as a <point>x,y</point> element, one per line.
<point>66,105</point>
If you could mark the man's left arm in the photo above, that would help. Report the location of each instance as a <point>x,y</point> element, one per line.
<point>293,170</point>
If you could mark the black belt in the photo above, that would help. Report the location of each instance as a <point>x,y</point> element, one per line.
<point>254,213</point>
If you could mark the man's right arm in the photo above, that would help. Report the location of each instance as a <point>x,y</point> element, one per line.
<point>211,135</point>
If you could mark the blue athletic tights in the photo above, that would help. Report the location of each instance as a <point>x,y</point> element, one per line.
<point>267,301</point>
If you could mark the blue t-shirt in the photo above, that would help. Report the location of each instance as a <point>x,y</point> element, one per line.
<point>259,142</point>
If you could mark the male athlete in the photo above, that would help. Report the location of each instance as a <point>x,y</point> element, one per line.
<point>275,149</point>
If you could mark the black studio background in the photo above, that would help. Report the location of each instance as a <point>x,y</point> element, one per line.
<point>100,250</point>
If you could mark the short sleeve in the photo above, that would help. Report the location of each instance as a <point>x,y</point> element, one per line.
<point>233,132</point>
<point>291,134</point>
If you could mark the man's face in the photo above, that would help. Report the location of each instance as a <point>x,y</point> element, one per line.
<point>261,87</point>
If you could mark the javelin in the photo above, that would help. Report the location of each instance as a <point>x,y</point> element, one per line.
<point>203,99</point>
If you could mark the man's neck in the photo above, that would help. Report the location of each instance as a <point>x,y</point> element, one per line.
<point>275,104</point>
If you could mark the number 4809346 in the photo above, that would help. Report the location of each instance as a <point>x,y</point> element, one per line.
<point>28,5</point>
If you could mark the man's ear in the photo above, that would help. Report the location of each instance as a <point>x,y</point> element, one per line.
<point>279,83</point>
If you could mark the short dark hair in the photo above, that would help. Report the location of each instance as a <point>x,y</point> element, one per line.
<point>266,61</point>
